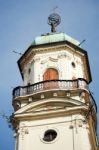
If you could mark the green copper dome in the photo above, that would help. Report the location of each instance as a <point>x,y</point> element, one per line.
<point>53,37</point>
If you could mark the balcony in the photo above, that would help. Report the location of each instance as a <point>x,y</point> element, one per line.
<point>50,85</point>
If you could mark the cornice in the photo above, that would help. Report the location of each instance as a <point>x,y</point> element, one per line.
<point>51,113</point>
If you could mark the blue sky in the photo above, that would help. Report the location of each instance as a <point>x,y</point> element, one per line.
<point>20,22</point>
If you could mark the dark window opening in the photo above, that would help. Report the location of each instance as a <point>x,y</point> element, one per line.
<point>50,135</point>
<point>73,64</point>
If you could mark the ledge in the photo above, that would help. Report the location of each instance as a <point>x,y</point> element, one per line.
<point>50,85</point>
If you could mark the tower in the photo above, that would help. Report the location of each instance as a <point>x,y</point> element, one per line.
<point>54,109</point>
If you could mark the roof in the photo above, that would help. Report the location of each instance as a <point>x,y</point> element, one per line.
<point>53,37</point>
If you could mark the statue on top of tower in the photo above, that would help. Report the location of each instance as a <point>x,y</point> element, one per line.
<point>54,20</point>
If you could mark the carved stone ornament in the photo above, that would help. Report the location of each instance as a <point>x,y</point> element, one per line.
<point>36,59</point>
<point>17,105</point>
<point>49,59</point>
<point>62,55</point>
<point>23,131</point>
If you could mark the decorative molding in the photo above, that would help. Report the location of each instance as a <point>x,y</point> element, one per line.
<point>54,104</point>
<point>43,61</point>
<point>49,59</point>
<point>42,96</point>
<point>55,94</point>
<point>49,48</point>
<point>26,131</point>
<point>30,99</point>
<point>79,62</point>
<point>62,55</point>
<point>53,59</point>
<point>17,105</point>
<point>23,131</point>
<point>68,57</point>
<point>36,59</point>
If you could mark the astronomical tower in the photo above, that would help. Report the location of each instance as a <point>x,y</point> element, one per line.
<point>54,108</point>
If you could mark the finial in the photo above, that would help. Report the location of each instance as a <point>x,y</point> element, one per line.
<point>54,20</point>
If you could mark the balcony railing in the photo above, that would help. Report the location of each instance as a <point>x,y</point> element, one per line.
<point>49,85</point>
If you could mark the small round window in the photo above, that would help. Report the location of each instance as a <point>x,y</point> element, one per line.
<point>73,64</point>
<point>49,135</point>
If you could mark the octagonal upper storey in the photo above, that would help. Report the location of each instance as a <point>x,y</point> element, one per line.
<point>54,56</point>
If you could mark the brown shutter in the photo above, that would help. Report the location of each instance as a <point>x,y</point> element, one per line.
<point>51,74</point>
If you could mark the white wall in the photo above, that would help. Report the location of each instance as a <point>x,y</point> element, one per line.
<point>58,60</point>
<point>72,134</point>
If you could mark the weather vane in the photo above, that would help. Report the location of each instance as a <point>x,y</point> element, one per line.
<point>54,20</point>
<point>54,9</point>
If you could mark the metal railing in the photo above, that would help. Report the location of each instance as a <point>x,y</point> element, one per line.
<point>49,85</point>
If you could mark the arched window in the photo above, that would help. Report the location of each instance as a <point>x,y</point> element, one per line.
<point>51,74</point>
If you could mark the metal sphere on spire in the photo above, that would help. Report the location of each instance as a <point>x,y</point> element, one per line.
<point>54,20</point>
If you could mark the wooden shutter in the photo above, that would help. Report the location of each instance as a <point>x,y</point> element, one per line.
<point>51,74</point>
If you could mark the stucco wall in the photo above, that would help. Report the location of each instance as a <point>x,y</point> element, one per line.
<point>60,61</point>
<point>72,134</point>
